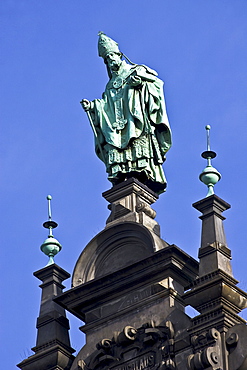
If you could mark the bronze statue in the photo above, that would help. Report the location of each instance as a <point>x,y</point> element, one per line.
<point>132,132</point>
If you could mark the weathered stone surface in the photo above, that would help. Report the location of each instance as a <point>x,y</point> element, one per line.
<point>207,351</point>
<point>130,289</point>
<point>130,201</point>
<point>236,344</point>
<point>128,277</point>
<point>149,346</point>
<point>114,248</point>
<point>52,350</point>
<point>149,289</point>
<point>214,293</point>
<point>213,253</point>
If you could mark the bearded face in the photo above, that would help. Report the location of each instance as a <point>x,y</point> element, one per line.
<point>113,61</point>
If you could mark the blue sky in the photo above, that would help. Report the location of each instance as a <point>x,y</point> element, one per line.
<point>49,62</point>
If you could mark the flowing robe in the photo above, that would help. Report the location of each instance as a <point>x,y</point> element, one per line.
<point>132,126</point>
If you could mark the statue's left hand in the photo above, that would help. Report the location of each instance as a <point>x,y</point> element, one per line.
<point>135,80</point>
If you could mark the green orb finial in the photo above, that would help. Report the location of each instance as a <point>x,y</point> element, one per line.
<point>51,246</point>
<point>209,176</point>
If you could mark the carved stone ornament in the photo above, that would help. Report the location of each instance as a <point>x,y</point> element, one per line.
<point>236,344</point>
<point>207,351</point>
<point>143,207</point>
<point>148,347</point>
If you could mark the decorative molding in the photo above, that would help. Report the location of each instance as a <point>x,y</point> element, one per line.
<point>207,351</point>
<point>144,207</point>
<point>149,347</point>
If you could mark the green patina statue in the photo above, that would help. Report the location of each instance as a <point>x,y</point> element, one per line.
<point>130,124</point>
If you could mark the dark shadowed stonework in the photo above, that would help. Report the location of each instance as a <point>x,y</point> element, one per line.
<point>52,350</point>
<point>130,288</point>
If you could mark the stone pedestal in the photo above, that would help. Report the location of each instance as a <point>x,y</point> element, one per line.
<point>131,201</point>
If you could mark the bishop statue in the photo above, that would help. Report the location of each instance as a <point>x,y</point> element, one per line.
<point>130,123</point>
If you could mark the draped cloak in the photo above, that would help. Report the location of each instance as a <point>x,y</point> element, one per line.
<point>132,126</point>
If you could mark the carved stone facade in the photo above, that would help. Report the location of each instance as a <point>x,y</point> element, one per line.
<point>132,348</point>
<point>130,288</point>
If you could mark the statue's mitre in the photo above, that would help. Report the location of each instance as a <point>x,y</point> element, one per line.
<point>106,45</point>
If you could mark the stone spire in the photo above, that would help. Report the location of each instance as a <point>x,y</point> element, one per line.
<point>214,293</point>
<point>52,350</point>
<point>216,297</point>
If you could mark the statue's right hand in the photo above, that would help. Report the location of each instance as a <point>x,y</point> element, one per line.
<point>86,104</point>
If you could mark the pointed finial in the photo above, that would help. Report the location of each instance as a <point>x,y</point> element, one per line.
<point>50,224</point>
<point>51,246</point>
<point>209,176</point>
<point>208,127</point>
